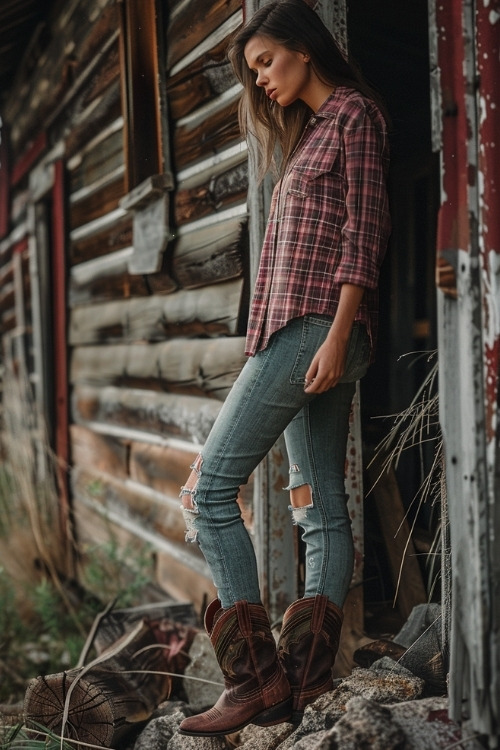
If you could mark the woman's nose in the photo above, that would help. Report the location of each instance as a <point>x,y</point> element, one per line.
<point>261,78</point>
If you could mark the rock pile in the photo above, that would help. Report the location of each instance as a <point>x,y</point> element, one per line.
<point>384,706</point>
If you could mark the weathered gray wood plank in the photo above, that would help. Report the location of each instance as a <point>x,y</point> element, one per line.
<point>208,76</point>
<point>220,191</point>
<point>97,204</point>
<point>104,157</point>
<point>180,567</point>
<point>209,311</point>
<point>153,511</point>
<point>116,236</point>
<point>193,23</point>
<point>52,81</point>
<point>107,277</point>
<point>203,366</point>
<point>101,453</point>
<point>207,136</point>
<point>92,120</point>
<point>213,252</point>
<point>161,415</point>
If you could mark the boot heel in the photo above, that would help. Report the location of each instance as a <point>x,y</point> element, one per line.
<point>277,714</point>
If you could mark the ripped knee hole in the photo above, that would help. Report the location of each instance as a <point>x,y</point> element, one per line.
<point>188,490</point>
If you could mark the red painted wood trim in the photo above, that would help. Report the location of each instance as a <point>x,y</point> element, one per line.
<point>60,337</point>
<point>453,231</point>
<point>29,157</point>
<point>20,247</point>
<point>4,186</point>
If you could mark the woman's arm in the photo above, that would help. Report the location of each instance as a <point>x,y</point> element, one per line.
<point>327,366</point>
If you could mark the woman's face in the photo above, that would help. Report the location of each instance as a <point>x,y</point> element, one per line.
<point>284,74</point>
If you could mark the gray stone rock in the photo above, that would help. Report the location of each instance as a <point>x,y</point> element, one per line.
<point>203,681</point>
<point>161,733</point>
<point>382,687</point>
<point>366,725</point>
<point>387,666</point>
<point>161,728</point>
<point>253,737</point>
<point>317,741</point>
<point>328,709</point>
<point>423,617</point>
<point>427,726</point>
<point>423,639</point>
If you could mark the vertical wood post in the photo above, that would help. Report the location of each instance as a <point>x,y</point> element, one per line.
<point>467,277</point>
<point>60,338</point>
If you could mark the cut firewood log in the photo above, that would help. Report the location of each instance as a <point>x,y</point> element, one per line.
<point>102,701</point>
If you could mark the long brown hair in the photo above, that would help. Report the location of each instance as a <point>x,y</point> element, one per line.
<point>296,26</point>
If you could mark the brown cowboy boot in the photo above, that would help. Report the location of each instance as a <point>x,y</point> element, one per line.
<point>256,688</point>
<point>307,647</point>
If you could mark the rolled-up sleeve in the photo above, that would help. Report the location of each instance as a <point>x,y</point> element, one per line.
<point>366,227</point>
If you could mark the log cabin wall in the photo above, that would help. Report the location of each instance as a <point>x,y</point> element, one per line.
<point>154,276</point>
<point>155,350</point>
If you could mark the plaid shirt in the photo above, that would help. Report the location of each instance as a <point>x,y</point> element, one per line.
<point>328,222</point>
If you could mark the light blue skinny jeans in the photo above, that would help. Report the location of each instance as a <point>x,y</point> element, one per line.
<point>266,400</point>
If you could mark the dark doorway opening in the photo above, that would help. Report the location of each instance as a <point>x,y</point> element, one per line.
<point>389,41</point>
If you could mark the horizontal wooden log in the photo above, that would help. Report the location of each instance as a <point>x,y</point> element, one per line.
<point>179,579</point>
<point>8,322</point>
<point>209,311</point>
<point>214,252</point>
<point>180,568</point>
<point>97,162</point>
<point>210,136</point>
<point>115,237</point>
<point>161,468</point>
<point>94,99</point>
<point>105,75</point>
<point>193,22</point>
<point>108,278</point>
<point>102,453</point>
<point>163,415</point>
<point>208,76</point>
<point>140,509</point>
<point>217,193</point>
<point>53,81</point>
<point>99,32</point>
<point>113,282</point>
<point>7,297</point>
<point>203,367</point>
<point>166,469</point>
<point>105,110</point>
<point>97,204</point>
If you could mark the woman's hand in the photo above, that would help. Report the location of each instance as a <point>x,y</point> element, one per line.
<point>327,366</point>
<point>328,363</point>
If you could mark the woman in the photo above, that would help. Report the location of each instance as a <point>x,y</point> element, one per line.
<point>311,335</point>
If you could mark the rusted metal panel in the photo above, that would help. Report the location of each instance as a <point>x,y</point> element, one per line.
<point>467,264</point>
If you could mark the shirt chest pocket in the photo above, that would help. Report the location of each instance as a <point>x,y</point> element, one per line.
<point>303,182</point>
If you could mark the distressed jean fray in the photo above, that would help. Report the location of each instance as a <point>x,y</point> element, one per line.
<point>266,400</point>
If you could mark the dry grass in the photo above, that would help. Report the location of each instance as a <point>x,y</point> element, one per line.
<point>417,428</point>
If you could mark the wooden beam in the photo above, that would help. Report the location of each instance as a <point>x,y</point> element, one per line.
<point>60,341</point>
